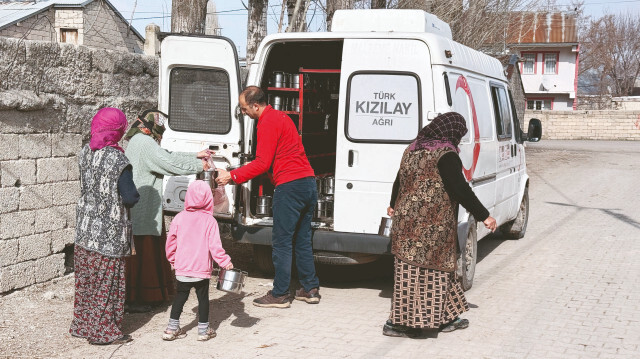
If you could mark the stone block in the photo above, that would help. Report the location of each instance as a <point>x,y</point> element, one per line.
<point>66,144</point>
<point>17,173</point>
<point>36,196</point>
<point>50,219</point>
<point>35,146</point>
<point>8,252</point>
<point>73,171</point>
<point>9,149</point>
<point>70,215</point>
<point>9,199</point>
<point>66,193</point>
<point>35,246</point>
<point>17,224</point>
<point>52,169</point>
<point>60,239</point>
<point>17,276</point>
<point>49,267</point>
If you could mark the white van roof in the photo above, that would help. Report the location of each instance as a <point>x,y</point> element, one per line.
<point>396,20</point>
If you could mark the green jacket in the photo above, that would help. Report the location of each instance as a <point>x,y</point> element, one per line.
<point>150,163</point>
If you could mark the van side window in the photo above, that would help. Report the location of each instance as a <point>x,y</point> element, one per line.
<point>502,112</point>
<point>199,100</point>
<point>383,107</point>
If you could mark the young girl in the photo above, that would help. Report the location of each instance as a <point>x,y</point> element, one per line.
<point>193,242</point>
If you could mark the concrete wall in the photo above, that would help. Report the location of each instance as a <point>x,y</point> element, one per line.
<point>587,125</point>
<point>48,94</point>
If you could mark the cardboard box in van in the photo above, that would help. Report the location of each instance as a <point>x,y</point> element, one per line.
<point>358,96</point>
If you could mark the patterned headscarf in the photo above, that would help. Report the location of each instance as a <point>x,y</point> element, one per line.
<point>150,123</point>
<point>445,131</point>
<point>107,128</point>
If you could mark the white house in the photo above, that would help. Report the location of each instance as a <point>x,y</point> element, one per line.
<point>548,46</point>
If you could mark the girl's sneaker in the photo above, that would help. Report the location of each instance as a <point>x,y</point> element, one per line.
<point>173,334</point>
<point>210,333</point>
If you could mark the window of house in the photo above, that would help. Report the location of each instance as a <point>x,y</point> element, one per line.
<point>529,63</point>
<point>540,104</point>
<point>69,36</point>
<point>550,63</point>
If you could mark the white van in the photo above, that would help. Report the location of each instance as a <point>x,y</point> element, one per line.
<point>358,95</point>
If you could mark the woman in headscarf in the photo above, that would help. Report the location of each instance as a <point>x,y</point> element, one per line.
<point>103,231</point>
<point>149,278</point>
<point>424,205</point>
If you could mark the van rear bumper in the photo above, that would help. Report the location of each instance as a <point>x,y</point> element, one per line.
<point>322,240</point>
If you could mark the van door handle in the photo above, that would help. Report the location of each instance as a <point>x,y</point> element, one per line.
<point>350,163</point>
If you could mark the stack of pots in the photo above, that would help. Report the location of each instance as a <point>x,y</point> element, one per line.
<point>326,190</point>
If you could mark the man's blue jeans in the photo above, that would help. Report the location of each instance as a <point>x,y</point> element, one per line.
<point>293,206</point>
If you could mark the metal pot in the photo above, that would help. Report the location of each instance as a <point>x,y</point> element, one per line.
<point>385,227</point>
<point>295,81</point>
<point>209,177</point>
<point>231,280</point>
<point>263,208</point>
<point>328,185</point>
<point>324,208</point>
<point>278,79</point>
<point>277,103</point>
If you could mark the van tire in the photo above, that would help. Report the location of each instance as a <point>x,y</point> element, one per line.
<point>468,256</point>
<point>518,227</point>
<point>262,258</point>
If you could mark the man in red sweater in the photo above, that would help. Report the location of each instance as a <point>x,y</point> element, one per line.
<point>280,150</point>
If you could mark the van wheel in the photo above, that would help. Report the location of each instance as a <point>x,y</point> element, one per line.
<point>468,257</point>
<point>263,260</point>
<point>517,228</point>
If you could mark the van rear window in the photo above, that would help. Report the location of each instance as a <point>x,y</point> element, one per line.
<point>383,107</point>
<point>199,100</point>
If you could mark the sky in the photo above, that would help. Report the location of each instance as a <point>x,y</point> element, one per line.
<point>232,15</point>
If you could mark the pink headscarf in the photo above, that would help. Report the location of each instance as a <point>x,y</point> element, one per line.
<point>107,128</point>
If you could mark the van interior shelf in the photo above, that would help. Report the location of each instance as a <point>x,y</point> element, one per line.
<point>320,71</point>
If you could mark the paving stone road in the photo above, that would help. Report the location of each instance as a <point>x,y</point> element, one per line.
<point>569,289</point>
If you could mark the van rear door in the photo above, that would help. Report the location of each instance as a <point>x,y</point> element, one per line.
<point>383,93</point>
<point>199,88</point>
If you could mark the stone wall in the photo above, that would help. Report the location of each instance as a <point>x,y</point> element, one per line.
<point>48,94</point>
<point>587,125</point>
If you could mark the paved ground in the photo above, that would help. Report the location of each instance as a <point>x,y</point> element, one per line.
<point>569,289</point>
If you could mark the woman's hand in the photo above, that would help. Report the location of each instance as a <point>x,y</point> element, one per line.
<point>390,211</point>
<point>229,266</point>
<point>205,154</point>
<point>490,223</point>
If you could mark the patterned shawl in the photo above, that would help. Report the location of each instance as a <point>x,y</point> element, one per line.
<point>150,123</point>
<point>107,128</point>
<point>445,131</point>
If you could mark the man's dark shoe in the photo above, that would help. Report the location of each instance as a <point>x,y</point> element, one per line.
<point>311,297</point>
<point>455,324</point>
<point>395,330</point>
<point>269,301</point>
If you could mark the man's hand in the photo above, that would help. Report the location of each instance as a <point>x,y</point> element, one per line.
<point>223,178</point>
<point>205,154</point>
<point>490,223</point>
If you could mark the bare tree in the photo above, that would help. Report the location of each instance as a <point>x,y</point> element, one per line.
<point>256,26</point>
<point>297,14</point>
<point>188,16</point>
<point>212,25</point>
<point>333,5</point>
<point>611,49</point>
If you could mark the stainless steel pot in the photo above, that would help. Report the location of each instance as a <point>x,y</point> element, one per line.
<point>278,79</point>
<point>295,81</point>
<point>231,280</point>
<point>277,103</point>
<point>385,227</point>
<point>209,177</point>
<point>263,208</point>
<point>324,208</point>
<point>328,185</point>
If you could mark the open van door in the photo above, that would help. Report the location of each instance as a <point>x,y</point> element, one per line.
<point>199,88</point>
<point>383,93</point>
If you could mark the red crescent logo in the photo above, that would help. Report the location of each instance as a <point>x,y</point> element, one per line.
<point>468,173</point>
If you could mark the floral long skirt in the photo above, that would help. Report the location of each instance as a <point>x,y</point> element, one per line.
<point>98,306</point>
<point>149,276</point>
<point>425,298</point>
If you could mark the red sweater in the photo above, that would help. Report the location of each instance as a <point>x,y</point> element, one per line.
<point>279,148</point>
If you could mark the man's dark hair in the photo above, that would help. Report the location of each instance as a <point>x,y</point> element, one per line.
<point>254,94</point>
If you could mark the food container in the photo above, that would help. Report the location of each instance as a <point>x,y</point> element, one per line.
<point>209,177</point>
<point>278,79</point>
<point>295,81</point>
<point>328,185</point>
<point>296,104</point>
<point>385,227</point>
<point>287,80</point>
<point>324,208</point>
<point>231,280</point>
<point>319,184</point>
<point>277,103</point>
<point>263,208</point>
